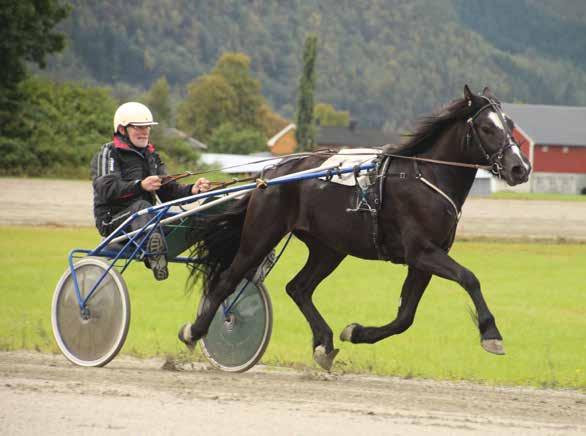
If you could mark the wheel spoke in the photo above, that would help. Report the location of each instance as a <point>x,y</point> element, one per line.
<point>237,340</point>
<point>93,337</point>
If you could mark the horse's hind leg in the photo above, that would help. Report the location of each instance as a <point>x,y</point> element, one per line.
<point>320,263</point>
<point>413,288</point>
<point>262,231</point>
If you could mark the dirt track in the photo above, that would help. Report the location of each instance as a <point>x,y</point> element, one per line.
<point>69,203</point>
<point>43,394</point>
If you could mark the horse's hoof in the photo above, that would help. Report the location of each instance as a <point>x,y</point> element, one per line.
<point>494,346</point>
<point>185,337</point>
<point>346,334</point>
<point>323,359</point>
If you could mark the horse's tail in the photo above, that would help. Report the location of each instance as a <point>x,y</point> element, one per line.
<point>215,240</point>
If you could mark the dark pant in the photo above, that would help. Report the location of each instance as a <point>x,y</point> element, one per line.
<point>105,228</point>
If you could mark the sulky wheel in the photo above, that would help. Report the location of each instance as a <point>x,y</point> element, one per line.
<point>91,336</point>
<point>241,329</point>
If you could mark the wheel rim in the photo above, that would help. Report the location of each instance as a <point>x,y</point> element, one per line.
<point>237,340</point>
<point>93,336</point>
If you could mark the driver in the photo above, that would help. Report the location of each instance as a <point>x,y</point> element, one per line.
<point>126,175</point>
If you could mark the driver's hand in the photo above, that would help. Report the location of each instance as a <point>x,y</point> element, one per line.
<point>151,183</point>
<point>201,185</point>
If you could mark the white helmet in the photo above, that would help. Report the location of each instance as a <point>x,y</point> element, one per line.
<point>133,113</point>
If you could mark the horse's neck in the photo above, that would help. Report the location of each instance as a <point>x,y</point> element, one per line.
<point>453,180</point>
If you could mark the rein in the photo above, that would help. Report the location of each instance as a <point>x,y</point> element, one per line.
<point>179,176</point>
<point>216,185</point>
<point>494,159</point>
<point>439,162</point>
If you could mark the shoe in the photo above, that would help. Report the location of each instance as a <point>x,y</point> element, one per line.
<point>156,259</point>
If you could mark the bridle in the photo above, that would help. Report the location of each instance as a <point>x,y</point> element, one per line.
<point>495,159</point>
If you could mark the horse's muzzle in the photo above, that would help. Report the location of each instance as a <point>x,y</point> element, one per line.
<point>520,174</point>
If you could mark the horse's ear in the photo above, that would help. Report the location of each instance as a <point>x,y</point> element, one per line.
<point>468,95</point>
<point>488,93</point>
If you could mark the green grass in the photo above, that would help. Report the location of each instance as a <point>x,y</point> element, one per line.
<point>509,195</point>
<point>536,292</point>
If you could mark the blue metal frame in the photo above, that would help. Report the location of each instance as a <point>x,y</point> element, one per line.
<point>137,240</point>
<point>100,251</point>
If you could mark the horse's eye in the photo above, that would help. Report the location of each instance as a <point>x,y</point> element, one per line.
<point>486,129</point>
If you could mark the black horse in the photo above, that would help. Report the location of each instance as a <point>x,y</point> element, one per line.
<point>419,206</point>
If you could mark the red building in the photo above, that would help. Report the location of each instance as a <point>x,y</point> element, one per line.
<point>554,139</point>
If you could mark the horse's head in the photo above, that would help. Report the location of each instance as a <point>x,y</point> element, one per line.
<point>490,130</point>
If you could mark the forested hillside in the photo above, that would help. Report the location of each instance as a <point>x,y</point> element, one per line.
<point>384,61</point>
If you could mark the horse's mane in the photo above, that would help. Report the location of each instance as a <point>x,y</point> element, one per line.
<point>429,128</point>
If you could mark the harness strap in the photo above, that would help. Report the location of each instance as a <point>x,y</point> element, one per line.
<point>381,173</point>
<point>369,199</point>
<point>420,177</point>
<point>443,194</point>
<point>439,162</point>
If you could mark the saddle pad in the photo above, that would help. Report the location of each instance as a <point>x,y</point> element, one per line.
<point>350,157</point>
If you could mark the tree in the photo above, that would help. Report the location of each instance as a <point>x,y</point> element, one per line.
<point>210,102</point>
<point>66,124</point>
<point>271,122</point>
<point>229,138</point>
<point>327,115</point>
<point>26,34</point>
<point>178,154</point>
<point>305,132</point>
<point>235,69</point>
<point>385,68</point>
<point>229,95</point>
<point>157,99</point>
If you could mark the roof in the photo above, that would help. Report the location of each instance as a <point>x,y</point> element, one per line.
<point>551,125</point>
<point>176,133</point>
<point>239,163</point>
<point>343,136</point>
<point>352,137</point>
<point>280,134</point>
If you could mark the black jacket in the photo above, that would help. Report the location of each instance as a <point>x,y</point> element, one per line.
<point>117,170</point>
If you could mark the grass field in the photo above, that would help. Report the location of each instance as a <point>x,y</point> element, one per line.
<point>536,292</point>
<point>509,195</point>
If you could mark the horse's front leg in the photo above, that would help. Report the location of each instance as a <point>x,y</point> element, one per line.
<point>436,261</point>
<point>413,288</point>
